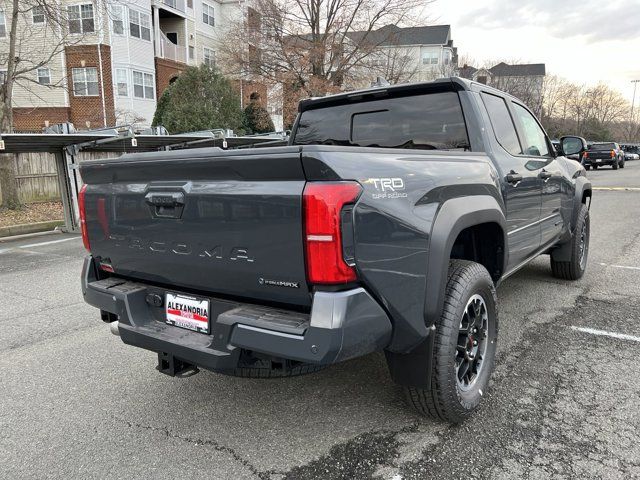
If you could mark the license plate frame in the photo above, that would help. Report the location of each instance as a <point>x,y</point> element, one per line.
<point>188,312</point>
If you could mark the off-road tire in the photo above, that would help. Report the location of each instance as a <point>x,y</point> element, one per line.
<point>445,400</point>
<point>574,269</point>
<point>615,165</point>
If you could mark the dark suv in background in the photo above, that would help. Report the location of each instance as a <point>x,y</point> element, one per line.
<point>600,154</point>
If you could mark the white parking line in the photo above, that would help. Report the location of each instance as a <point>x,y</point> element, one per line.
<point>49,243</point>
<point>604,333</point>
<point>619,266</point>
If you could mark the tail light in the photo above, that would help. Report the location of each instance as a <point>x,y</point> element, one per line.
<point>323,204</point>
<point>613,154</point>
<point>83,218</point>
<point>586,154</point>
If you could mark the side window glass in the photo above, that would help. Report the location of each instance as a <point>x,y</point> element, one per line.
<point>502,123</point>
<point>534,141</point>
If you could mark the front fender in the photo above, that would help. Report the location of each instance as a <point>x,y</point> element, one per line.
<point>562,253</point>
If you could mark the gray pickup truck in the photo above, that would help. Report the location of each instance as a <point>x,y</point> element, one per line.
<point>385,226</point>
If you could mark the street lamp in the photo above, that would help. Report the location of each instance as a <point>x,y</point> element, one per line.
<point>633,102</point>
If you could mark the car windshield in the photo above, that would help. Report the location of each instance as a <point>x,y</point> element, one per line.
<point>429,122</point>
<point>603,146</point>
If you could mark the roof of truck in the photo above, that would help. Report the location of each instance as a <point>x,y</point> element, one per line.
<point>448,84</point>
<point>441,84</point>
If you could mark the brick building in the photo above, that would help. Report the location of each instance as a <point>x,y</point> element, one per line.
<point>120,58</point>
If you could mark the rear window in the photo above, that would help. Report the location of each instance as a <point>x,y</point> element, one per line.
<point>431,121</point>
<point>603,146</point>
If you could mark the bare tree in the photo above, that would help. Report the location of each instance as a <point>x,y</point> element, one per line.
<point>312,46</point>
<point>395,64</point>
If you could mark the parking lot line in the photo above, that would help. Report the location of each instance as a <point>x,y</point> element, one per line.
<point>619,266</point>
<point>618,189</point>
<point>604,333</point>
<point>51,242</point>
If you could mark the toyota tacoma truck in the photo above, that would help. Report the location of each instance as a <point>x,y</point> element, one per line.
<point>384,226</point>
<point>600,154</point>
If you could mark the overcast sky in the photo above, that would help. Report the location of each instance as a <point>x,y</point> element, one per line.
<point>585,41</point>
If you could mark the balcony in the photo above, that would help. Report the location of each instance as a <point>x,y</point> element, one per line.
<point>174,5</point>
<point>169,50</point>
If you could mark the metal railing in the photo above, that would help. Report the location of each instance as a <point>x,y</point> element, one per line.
<point>171,51</point>
<point>175,4</point>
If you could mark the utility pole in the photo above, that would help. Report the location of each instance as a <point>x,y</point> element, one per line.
<point>633,104</point>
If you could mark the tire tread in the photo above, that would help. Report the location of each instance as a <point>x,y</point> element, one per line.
<point>433,401</point>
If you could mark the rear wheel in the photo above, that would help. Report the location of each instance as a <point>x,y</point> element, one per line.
<point>579,250</point>
<point>595,167</point>
<point>464,346</point>
<point>622,164</point>
<point>615,165</point>
<point>587,167</point>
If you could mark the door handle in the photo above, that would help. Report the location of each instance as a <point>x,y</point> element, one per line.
<point>165,204</point>
<point>544,175</point>
<point>513,178</point>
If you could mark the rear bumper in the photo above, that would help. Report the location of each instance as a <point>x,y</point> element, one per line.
<point>341,325</point>
<point>599,161</point>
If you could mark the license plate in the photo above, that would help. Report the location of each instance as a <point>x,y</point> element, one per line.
<point>598,160</point>
<point>187,312</point>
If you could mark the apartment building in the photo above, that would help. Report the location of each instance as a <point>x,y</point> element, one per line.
<point>525,80</point>
<point>411,54</point>
<point>117,59</point>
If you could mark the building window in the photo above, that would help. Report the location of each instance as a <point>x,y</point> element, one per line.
<point>192,52</point>
<point>143,85</point>
<point>85,82</point>
<point>44,76</point>
<point>81,18</point>
<point>3,76</point>
<point>122,82</point>
<point>139,25</point>
<point>189,3</point>
<point>38,14</point>
<point>430,58</point>
<point>3,25</point>
<point>117,19</point>
<point>209,57</point>
<point>207,15</point>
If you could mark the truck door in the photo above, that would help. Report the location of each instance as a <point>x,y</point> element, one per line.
<point>521,183</point>
<point>541,161</point>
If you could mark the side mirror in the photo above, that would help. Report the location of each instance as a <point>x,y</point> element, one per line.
<point>573,145</point>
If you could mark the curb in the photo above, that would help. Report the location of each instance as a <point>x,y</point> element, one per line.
<point>27,228</point>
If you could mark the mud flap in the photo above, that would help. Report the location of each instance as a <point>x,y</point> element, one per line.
<point>412,369</point>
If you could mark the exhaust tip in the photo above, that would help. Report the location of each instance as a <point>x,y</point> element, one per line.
<point>113,326</point>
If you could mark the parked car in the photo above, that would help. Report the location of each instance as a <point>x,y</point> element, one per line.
<point>600,154</point>
<point>631,156</point>
<point>385,225</point>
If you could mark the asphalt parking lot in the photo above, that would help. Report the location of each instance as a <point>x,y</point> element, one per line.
<point>77,403</point>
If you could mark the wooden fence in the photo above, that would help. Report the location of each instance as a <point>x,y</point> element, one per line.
<point>37,178</point>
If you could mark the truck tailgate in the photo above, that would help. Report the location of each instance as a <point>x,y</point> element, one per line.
<point>226,223</point>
